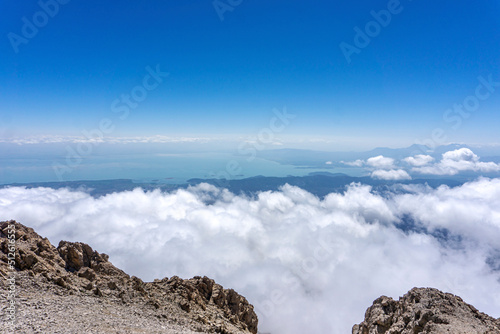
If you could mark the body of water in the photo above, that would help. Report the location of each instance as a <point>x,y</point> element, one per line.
<point>163,168</point>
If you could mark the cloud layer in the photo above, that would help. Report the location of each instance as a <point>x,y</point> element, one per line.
<point>380,162</point>
<point>451,163</point>
<point>419,160</point>
<point>392,174</point>
<point>99,139</point>
<point>308,265</point>
<point>454,162</point>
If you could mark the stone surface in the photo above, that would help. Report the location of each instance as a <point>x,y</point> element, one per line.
<point>75,282</point>
<point>425,310</point>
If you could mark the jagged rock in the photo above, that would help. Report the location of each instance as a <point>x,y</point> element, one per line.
<point>425,310</point>
<point>201,293</point>
<point>88,273</point>
<point>75,270</point>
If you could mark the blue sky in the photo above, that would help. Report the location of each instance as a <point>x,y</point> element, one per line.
<point>226,76</point>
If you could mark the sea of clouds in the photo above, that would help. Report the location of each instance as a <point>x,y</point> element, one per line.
<point>307,265</point>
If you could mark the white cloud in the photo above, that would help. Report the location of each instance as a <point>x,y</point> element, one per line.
<point>461,154</point>
<point>328,163</point>
<point>472,210</point>
<point>393,174</point>
<point>357,163</point>
<point>52,139</point>
<point>288,252</point>
<point>454,162</point>
<point>419,160</point>
<point>381,162</point>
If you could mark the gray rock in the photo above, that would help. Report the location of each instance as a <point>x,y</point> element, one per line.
<point>425,310</point>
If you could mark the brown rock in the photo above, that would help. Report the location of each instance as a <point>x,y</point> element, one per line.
<point>74,268</point>
<point>425,310</point>
<point>87,273</point>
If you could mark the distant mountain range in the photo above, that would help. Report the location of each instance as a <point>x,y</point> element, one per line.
<point>317,183</point>
<point>317,159</point>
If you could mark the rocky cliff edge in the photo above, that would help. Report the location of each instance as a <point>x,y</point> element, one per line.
<point>74,285</point>
<point>425,310</point>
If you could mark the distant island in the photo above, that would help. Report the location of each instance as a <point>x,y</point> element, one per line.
<point>317,183</point>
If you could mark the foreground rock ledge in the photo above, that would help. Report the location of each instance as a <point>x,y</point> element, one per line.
<point>74,289</point>
<point>425,310</point>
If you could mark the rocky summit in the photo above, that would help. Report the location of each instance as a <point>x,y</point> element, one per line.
<point>425,310</point>
<point>75,289</point>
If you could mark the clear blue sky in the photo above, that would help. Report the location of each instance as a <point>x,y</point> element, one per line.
<point>226,76</point>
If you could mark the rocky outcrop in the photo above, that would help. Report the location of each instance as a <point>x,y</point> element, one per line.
<point>425,310</point>
<point>74,271</point>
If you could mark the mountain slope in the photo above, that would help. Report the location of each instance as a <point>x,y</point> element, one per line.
<point>425,310</point>
<point>74,289</point>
